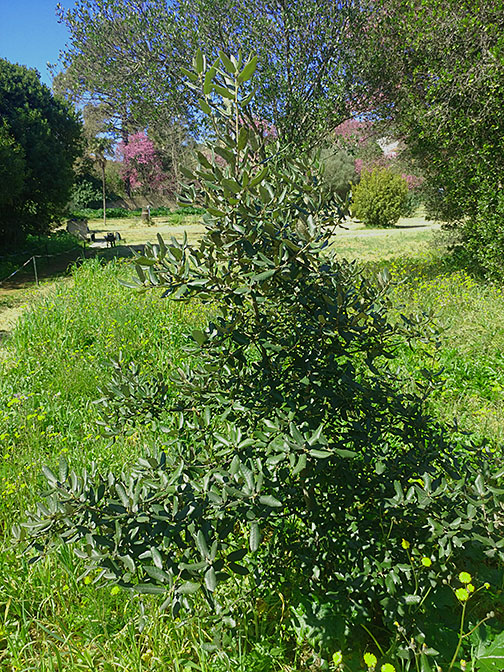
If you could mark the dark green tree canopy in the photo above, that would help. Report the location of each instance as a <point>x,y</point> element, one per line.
<point>39,141</point>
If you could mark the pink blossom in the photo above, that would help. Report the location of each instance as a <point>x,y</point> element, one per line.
<point>412,181</point>
<point>141,165</point>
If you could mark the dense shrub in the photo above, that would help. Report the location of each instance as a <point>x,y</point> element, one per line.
<point>294,454</point>
<point>338,170</point>
<point>478,242</point>
<point>379,198</point>
<point>86,193</point>
<point>412,202</point>
<point>39,141</point>
<point>97,213</point>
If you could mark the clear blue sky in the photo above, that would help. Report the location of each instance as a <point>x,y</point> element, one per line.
<point>30,33</point>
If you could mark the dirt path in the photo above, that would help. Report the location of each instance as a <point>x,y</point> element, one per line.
<point>406,225</point>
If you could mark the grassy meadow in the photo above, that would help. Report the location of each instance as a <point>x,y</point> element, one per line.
<point>53,366</point>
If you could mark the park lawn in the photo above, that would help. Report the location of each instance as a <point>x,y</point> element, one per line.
<point>53,367</point>
<point>136,232</point>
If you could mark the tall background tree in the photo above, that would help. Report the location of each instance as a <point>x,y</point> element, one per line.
<point>436,71</point>
<point>99,145</point>
<point>128,55</point>
<point>141,165</point>
<point>40,137</point>
<point>125,56</point>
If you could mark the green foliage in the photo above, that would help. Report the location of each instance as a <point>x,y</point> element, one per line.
<point>45,247</point>
<point>12,168</point>
<point>294,453</point>
<point>379,198</point>
<point>120,213</point>
<point>131,397</point>
<point>303,79</point>
<point>338,170</point>
<point>86,193</point>
<point>444,93</point>
<point>39,141</point>
<point>412,202</point>
<point>478,242</point>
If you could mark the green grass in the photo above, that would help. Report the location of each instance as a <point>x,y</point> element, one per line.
<point>469,317</point>
<point>379,245</point>
<point>57,359</point>
<point>51,370</point>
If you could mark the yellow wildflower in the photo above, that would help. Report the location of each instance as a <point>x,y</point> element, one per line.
<point>405,544</point>
<point>462,594</point>
<point>337,658</point>
<point>465,577</point>
<point>426,562</point>
<point>370,660</point>
<point>388,668</point>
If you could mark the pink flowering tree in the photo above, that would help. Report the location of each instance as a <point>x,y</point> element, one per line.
<point>365,141</point>
<point>141,164</point>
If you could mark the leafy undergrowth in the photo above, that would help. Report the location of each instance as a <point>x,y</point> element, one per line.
<point>54,366</point>
<point>467,350</point>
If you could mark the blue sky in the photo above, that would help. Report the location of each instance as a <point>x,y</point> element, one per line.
<point>30,33</point>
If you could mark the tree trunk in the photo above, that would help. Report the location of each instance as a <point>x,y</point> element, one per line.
<point>145,217</point>
<point>125,140</point>
<point>104,194</point>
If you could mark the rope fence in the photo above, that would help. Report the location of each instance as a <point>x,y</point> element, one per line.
<point>34,258</point>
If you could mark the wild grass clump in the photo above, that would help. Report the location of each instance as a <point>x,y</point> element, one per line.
<point>59,357</point>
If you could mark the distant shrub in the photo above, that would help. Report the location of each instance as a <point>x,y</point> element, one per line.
<point>117,213</point>
<point>160,212</point>
<point>338,170</point>
<point>86,193</point>
<point>379,197</point>
<point>412,202</point>
<point>112,213</point>
<point>189,210</point>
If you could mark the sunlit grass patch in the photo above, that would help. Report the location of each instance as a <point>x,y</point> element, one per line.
<point>469,317</point>
<point>58,358</point>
